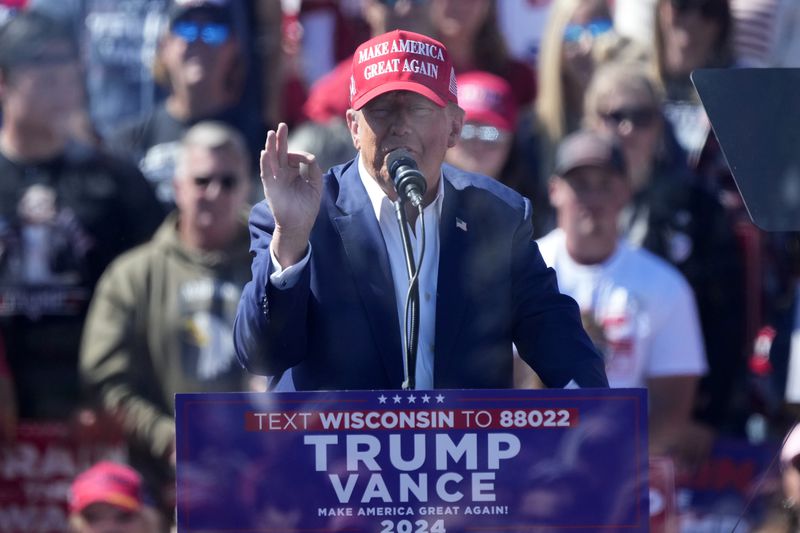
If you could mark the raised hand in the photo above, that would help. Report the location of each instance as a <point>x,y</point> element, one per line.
<point>293,188</point>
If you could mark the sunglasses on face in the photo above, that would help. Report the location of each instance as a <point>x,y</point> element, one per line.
<point>488,134</point>
<point>227,182</point>
<point>575,32</point>
<point>642,117</point>
<point>211,33</point>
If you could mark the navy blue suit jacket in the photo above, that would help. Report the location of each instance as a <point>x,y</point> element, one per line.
<point>337,328</point>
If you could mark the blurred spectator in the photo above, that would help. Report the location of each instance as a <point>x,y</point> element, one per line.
<point>784,516</point>
<point>790,461</point>
<point>329,97</point>
<point>118,41</point>
<point>522,23</point>
<point>201,59</point>
<point>161,320</point>
<point>490,118</point>
<point>575,31</point>
<point>678,220</point>
<point>109,498</point>
<point>66,210</point>
<point>638,309</point>
<point>471,34</point>
<point>766,33</point>
<point>692,34</point>
<point>566,64</point>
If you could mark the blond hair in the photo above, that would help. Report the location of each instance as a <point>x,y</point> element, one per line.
<point>551,106</point>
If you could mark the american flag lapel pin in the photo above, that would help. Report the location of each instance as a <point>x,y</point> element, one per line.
<point>460,224</point>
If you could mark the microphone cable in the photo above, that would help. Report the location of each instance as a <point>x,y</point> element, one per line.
<point>411,319</point>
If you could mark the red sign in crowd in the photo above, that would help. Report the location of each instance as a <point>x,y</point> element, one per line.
<point>37,469</point>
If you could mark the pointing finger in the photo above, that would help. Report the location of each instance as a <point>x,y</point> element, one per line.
<point>282,141</point>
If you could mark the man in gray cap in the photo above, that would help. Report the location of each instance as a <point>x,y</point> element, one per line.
<point>639,310</point>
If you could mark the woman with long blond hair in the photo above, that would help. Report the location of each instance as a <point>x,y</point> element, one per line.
<point>671,215</point>
<point>575,32</point>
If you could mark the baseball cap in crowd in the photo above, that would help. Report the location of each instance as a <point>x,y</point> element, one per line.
<point>106,482</point>
<point>402,61</point>
<point>216,10</point>
<point>586,148</point>
<point>27,38</point>
<point>487,98</point>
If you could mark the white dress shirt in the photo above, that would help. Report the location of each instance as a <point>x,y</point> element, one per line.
<point>428,272</point>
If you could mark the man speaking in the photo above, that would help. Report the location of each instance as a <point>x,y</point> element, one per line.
<point>330,276</point>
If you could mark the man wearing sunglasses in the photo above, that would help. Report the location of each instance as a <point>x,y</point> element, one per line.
<point>161,320</point>
<point>200,60</point>
<point>329,276</point>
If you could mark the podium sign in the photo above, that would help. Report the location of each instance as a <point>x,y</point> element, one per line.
<point>413,461</point>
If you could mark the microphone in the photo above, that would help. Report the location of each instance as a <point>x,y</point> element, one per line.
<point>408,180</point>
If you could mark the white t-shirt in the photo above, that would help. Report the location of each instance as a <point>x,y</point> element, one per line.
<point>644,308</point>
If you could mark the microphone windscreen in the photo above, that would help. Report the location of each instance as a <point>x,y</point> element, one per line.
<point>398,158</point>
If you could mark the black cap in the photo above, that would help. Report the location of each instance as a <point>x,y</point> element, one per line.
<point>217,10</point>
<point>587,148</point>
<point>26,38</point>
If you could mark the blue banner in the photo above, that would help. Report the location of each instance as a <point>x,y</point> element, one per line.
<point>413,461</point>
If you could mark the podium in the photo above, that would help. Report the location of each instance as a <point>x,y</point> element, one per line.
<point>413,461</point>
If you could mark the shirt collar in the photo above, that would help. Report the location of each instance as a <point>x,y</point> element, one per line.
<point>377,196</point>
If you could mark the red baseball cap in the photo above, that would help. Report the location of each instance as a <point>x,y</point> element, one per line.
<point>107,482</point>
<point>487,98</point>
<point>402,61</point>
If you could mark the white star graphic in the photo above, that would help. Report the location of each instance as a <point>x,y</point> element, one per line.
<point>439,398</point>
<point>412,399</point>
<point>396,398</point>
<point>381,399</point>
<point>426,399</point>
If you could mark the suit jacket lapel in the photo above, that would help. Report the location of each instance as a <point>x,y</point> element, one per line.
<point>450,299</point>
<point>369,263</point>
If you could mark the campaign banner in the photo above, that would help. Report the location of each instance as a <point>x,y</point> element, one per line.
<point>413,461</point>
<point>37,468</point>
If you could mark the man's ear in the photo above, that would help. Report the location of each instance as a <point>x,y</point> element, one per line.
<point>352,117</point>
<point>456,115</point>
<point>554,190</point>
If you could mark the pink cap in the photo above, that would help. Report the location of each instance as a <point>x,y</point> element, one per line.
<point>487,98</point>
<point>402,61</point>
<point>107,482</point>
